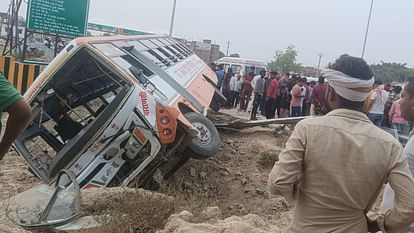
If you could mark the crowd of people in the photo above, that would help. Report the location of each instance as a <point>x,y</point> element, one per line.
<point>334,167</point>
<point>276,95</point>
<point>271,93</point>
<point>383,107</point>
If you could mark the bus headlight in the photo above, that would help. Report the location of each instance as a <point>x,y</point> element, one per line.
<point>165,120</point>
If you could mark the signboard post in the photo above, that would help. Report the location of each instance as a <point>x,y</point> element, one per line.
<point>60,17</point>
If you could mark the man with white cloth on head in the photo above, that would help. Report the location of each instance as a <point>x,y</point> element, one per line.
<point>334,166</point>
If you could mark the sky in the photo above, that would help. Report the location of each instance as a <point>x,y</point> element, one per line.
<point>256,29</point>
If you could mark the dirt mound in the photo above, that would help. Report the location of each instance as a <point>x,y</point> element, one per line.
<point>14,178</point>
<point>100,198</point>
<point>185,222</point>
<point>235,178</point>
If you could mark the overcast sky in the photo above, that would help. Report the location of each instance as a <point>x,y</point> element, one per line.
<point>256,29</point>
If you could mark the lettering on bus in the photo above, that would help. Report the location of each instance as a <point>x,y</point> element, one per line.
<point>144,101</point>
<point>95,147</point>
<point>186,68</point>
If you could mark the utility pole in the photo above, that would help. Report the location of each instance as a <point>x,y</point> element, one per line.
<point>173,18</point>
<point>367,30</point>
<point>228,46</point>
<point>319,63</point>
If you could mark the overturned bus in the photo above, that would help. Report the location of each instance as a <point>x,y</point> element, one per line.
<point>112,110</point>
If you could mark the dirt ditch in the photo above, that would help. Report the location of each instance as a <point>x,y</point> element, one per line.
<point>224,194</point>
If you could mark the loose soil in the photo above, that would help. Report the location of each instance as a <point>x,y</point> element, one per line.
<point>234,180</point>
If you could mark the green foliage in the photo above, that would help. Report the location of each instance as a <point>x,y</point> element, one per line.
<point>234,55</point>
<point>221,54</point>
<point>391,72</point>
<point>285,61</point>
<point>268,158</point>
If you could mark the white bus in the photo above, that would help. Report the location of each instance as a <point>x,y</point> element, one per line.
<point>242,65</point>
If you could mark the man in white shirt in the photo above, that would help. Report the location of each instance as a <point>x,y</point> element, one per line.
<point>237,89</point>
<point>258,84</point>
<point>232,91</point>
<point>378,99</point>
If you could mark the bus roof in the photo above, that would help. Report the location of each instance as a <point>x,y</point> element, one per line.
<point>242,61</point>
<point>86,40</point>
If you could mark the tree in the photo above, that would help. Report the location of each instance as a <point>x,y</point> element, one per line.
<point>234,55</point>
<point>221,54</point>
<point>389,72</point>
<point>285,61</point>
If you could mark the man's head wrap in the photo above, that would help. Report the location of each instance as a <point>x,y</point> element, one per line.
<point>348,87</point>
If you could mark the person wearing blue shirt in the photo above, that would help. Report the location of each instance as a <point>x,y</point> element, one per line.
<point>220,76</point>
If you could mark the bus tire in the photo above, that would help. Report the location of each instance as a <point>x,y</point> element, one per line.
<point>207,142</point>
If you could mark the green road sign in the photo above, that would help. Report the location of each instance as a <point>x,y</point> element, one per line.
<point>114,30</point>
<point>63,17</point>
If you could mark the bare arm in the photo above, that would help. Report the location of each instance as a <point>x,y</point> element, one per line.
<point>371,101</point>
<point>19,115</point>
<point>391,113</point>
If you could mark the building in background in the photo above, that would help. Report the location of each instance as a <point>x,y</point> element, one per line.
<point>4,28</point>
<point>309,71</point>
<point>207,51</point>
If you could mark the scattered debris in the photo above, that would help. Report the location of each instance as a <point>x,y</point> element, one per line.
<point>260,191</point>
<point>192,172</point>
<point>184,222</point>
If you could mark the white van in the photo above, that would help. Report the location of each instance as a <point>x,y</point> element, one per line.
<point>110,111</point>
<point>242,65</point>
<point>115,105</point>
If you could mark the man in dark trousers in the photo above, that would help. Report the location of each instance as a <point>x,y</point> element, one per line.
<point>258,84</point>
<point>271,95</point>
<point>263,102</point>
<point>19,114</point>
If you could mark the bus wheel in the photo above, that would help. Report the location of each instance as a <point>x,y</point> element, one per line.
<point>207,142</point>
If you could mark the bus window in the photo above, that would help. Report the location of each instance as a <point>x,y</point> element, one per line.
<point>236,68</point>
<point>147,72</point>
<point>127,61</point>
<point>160,50</point>
<point>138,46</point>
<point>175,52</point>
<point>157,42</point>
<point>249,69</point>
<point>109,50</point>
<point>155,59</point>
<point>148,44</point>
<point>168,46</point>
<point>260,69</point>
<point>166,42</point>
<point>160,56</point>
<point>168,54</point>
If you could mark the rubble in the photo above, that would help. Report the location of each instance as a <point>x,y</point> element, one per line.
<point>184,222</point>
<point>260,191</point>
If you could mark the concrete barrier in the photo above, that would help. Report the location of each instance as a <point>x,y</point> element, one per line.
<point>20,75</point>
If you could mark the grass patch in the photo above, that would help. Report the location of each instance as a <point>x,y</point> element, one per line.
<point>268,158</point>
